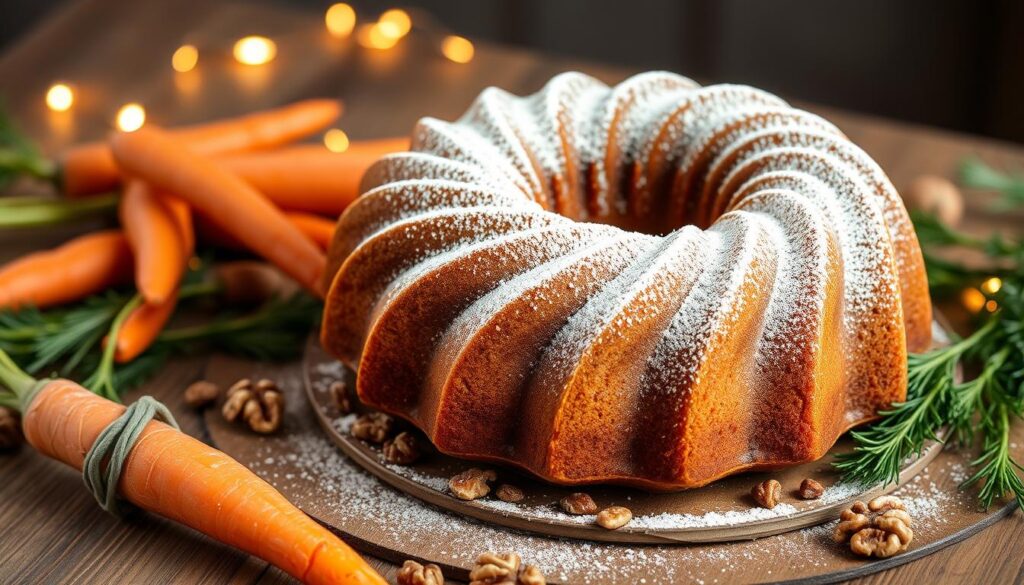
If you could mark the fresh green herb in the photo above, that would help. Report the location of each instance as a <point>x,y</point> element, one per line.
<point>976,174</point>
<point>69,342</point>
<point>19,156</point>
<point>983,407</point>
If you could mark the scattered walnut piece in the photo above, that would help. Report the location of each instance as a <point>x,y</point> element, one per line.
<point>509,493</point>
<point>531,575</point>
<point>767,493</point>
<point>260,405</point>
<point>413,573</point>
<point>810,489</point>
<point>494,569</point>
<point>504,569</point>
<point>614,517</point>
<point>374,427</point>
<point>404,449</point>
<point>578,504</point>
<point>10,429</point>
<point>339,394</point>
<point>201,394</point>
<point>880,528</point>
<point>472,483</point>
<point>850,522</point>
<point>884,503</point>
<point>875,542</point>
<point>938,195</point>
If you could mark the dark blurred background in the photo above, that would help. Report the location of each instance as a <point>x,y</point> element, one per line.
<point>958,64</point>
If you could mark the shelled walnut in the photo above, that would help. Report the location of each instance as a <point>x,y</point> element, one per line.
<point>880,528</point>
<point>339,394</point>
<point>578,504</point>
<point>810,489</point>
<point>509,493</point>
<point>404,449</point>
<point>767,493</point>
<point>413,573</point>
<point>201,394</point>
<point>504,569</point>
<point>472,483</point>
<point>260,405</point>
<point>374,427</point>
<point>614,517</point>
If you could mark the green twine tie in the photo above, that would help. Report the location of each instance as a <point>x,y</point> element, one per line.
<point>114,444</point>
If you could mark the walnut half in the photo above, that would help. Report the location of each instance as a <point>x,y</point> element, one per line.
<point>260,405</point>
<point>472,483</point>
<point>881,528</point>
<point>413,573</point>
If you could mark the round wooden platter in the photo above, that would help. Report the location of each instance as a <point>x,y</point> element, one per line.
<point>383,521</point>
<point>722,511</point>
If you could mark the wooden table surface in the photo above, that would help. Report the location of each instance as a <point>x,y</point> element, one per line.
<point>116,51</point>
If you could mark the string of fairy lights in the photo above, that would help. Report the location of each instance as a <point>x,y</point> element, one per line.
<point>341,21</point>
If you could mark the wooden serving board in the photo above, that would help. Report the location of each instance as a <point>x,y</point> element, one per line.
<point>720,512</point>
<point>381,520</point>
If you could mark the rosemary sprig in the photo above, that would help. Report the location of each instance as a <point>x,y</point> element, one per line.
<point>19,156</point>
<point>979,408</point>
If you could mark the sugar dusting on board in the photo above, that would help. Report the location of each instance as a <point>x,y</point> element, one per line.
<point>308,468</point>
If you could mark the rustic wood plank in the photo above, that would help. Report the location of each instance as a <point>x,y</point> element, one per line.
<point>118,50</point>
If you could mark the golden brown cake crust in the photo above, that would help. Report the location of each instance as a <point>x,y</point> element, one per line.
<point>751,295</point>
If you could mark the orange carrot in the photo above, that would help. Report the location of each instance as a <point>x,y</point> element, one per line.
<point>176,476</point>
<point>316,228</point>
<point>151,155</point>
<point>142,326</point>
<point>155,233</point>
<point>310,178</point>
<point>83,266</point>
<point>90,168</point>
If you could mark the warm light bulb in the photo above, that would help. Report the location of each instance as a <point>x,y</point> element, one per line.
<point>60,97</point>
<point>992,285</point>
<point>131,117</point>
<point>340,19</point>
<point>457,49</point>
<point>336,140</point>
<point>973,299</point>
<point>395,23</point>
<point>991,306</point>
<point>185,58</point>
<point>255,50</point>
<point>371,37</point>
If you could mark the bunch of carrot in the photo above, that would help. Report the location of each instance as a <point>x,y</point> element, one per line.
<point>246,186</point>
<point>239,182</point>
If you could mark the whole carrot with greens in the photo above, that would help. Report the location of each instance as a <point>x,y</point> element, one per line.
<point>235,207</point>
<point>83,266</point>
<point>169,473</point>
<point>142,326</point>
<point>90,168</point>
<point>156,233</point>
<point>309,177</point>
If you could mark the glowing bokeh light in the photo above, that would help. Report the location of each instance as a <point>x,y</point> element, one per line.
<point>340,19</point>
<point>973,299</point>
<point>185,58</point>
<point>457,49</point>
<point>395,23</point>
<point>992,285</point>
<point>255,50</point>
<point>131,117</point>
<point>60,97</point>
<point>336,140</point>
<point>372,37</point>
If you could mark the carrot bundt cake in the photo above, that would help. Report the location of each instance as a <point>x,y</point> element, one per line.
<point>654,284</point>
